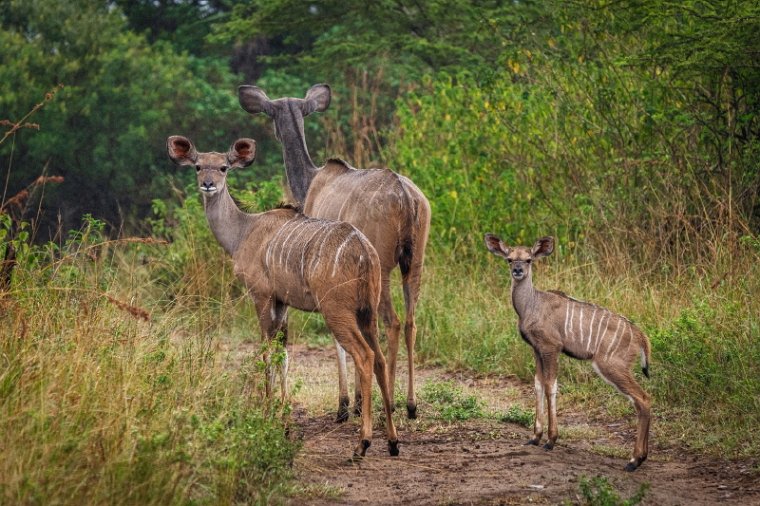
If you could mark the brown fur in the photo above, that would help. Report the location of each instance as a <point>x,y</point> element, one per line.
<point>387,207</point>
<point>553,323</point>
<point>287,259</point>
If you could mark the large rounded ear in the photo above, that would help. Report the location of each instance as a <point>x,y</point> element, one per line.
<point>317,99</point>
<point>543,247</point>
<point>181,150</point>
<point>254,100</point>
<point>241,153</point>
<point>496,246</point>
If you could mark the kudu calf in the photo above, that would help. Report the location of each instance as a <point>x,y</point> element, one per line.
<point>286,259</point>
<point>553,323</point>
<point>387,207</point>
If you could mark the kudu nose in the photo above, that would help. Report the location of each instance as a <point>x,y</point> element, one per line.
<point>207,185</point>
<point>517,271</point>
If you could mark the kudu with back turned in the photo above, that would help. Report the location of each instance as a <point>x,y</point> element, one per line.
<point>553,323</point>
<point>387,207</point>
<point>286,259</point>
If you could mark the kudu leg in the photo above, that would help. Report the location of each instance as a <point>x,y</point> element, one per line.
<point>281,323</point>
<point>538,383</point>
<point>619,375</point>
<point>268,327</point>
<point>550,367</point>
<point>346,332</point>
<point>369,331</point>
<point>411,283</point>
<point>343,401</point>
<point>392,326</point>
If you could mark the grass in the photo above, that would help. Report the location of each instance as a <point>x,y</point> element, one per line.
<point>598,491</point>
<point>115,389</point>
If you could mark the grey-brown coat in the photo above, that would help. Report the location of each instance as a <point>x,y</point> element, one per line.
<point>553,323</point>
<point>287,259</point>
<point>387,207</point>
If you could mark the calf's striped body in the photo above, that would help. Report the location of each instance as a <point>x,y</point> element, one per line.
<point>553,323</point>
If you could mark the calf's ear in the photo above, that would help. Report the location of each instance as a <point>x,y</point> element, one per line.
<point>242,153</point>
<point>496,246</point>
<point>543,247</point>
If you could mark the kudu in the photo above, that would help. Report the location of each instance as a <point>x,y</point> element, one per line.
<point>387,207</point>
<point>553,323</point>
<point>286,259</point>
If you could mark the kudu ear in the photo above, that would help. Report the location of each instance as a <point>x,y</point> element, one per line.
<point>181,150</point>
<point>254,100</point>
<point>317,99</point>
<point>543,247</point>
<point>241,153</point>
<point>496,246</point>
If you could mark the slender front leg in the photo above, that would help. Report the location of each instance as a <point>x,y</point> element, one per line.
<point>281,324</point>
<point>538,384</point>
<point>550,363</point>
<point>266,313</point>
<point>342,385</point>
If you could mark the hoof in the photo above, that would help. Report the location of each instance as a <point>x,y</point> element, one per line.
<point>549,446</point>
<point>534,442</point>
<point>411,411</point>
<point>393,447</point>
<point>342,410</point>
<point>634,464</point>
<point>360,451</point>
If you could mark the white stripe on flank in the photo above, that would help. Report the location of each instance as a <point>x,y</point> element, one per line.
<point>340,248</point>
<point>318,256</point>
<point>567,314</point>
<point>572,313</point>
<point>306,244</point>
<point>375,193</point>
<point>612,352</point>
<point>286,242</point>
<point>595,343</point>
<point>587,342</point>
<point>273,242</point>
<point>301,245</point>
<point>614,339</point>
<point>340,212</point>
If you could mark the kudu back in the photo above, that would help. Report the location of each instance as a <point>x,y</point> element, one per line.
<point>386,206</point>
<point>287,259</point>
<point>553,323</point>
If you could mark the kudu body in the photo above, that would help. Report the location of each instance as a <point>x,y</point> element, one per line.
<point>387,207</point>
<point>286,259</point>
<point>553,323</point>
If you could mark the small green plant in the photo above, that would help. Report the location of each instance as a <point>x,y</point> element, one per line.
<point>451,403</point>
<point>598,491</point>
<point>519,415</point>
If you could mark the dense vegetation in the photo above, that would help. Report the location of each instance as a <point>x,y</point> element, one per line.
<point>628,130</point>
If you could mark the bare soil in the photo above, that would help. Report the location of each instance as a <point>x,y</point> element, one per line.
<point>485,461</point>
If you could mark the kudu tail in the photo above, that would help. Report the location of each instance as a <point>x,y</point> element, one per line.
<point>646,354</point>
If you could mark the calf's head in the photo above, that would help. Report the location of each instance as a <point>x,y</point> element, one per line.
<point>519,258</point>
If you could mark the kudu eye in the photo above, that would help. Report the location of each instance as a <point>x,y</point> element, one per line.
<point>528,261</point>
<point>223,169</point>
<point>197,168</point>
<point>509,260</point>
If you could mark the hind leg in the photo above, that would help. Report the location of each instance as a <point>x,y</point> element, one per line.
<point>342,385</point>
<point>392,327</point>
<point>411,282</point>
<point>619,375</point>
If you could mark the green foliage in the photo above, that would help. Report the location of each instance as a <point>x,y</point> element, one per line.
<point>519,415</point>
<point>598,491</point>
<point>450,402</point>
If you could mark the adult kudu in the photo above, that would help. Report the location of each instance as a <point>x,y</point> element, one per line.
<point>387,207</point>
<point>286,259</point>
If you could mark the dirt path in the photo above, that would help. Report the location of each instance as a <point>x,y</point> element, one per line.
<point>485,461</point>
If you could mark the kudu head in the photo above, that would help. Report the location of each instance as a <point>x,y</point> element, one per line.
<point>287,113</point>
<point>519,258</point>
<point>212,167</point>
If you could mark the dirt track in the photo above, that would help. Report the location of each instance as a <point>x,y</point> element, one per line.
<point>485,461</point>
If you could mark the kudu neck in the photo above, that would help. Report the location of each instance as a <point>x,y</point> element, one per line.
<point>229,224</point>
<point>299,167</point>
<point>523,295</point>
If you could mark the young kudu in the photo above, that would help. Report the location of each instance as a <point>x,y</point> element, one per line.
<point>286,259</point>
<point>387,207</point>
<point>553,323</point>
